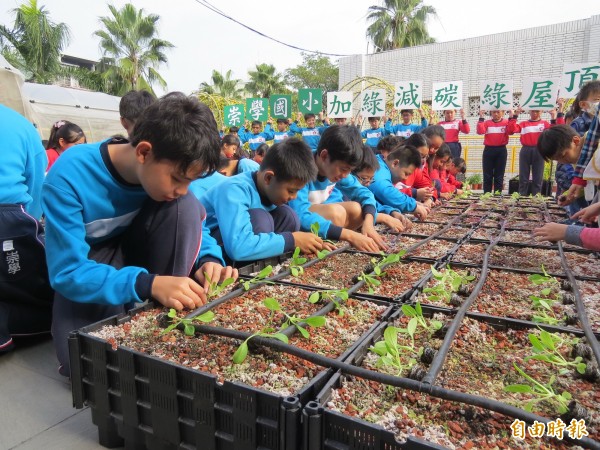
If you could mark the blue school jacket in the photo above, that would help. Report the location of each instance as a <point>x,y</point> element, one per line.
<point>385,191</point>
<point>85,204</point>
<point>319,191</point>
<point>373,136</point>
<point>279,136</point>
<point>23,162</point>
<point>201,185</point>
<point>405,131</point>
<point>311,136</point>
<point>227,208</point>
<point>255,140</point>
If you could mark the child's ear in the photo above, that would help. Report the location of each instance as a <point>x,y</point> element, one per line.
<point>324,154</point>
<point>268,176</point>
<point>143,151</point>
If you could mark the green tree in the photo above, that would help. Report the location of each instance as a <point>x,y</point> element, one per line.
<point>399,23</point>
<point>315,72</point>
<point>265,81</point>
<point>35,42</point>
<point>222,85</point>
<point>132,50</point>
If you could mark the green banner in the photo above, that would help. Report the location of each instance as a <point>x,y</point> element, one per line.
<point>233,115</point>
<point>310,101</point>
<point>281,106</point>
<point>257,109</point>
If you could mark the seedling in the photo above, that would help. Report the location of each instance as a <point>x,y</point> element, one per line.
<point>544,307</point>
<point>416,315</point>
<point>371,281</point>
<point>336,296</point>
<point>498,192</point>
<point>296,263</point>
<point>388,349</point>
<point>314,228</point>
<point>541,392</point>
<point>258,278</point>
<point>188,327</point>
<point>487,196</point>
<point>449,282</point>
<point>547,347</point>
<point>538,279</point>
<point>215,289</point>
<point>515,196</point>
<point>317,321</point>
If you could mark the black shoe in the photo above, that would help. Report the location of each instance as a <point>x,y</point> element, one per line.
<point>6,345</point>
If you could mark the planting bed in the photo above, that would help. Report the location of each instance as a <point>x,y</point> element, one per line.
<point>590,294</point>
<point>456,232</point>
<point>526,258</point>
<point>399,279</point>
<point>470,254</point>
<point>583,264</point>
<point>438,291</point>
<point>434,249</point>
<point>424,228</point>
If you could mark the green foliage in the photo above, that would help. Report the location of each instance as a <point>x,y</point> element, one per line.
<point>296,263</point>
<point>215,289</point>
<point>487,196</point>
<point>474,179</point>
<point>265,81</point>
<point>222,85</point>
<point>314,229</point>
<point>416,315</point>
<point>371,279</point>
<point>449,282</point>
<point>515,195</point>
<point>258,278</point>
<point>538,279</point>
<point>547,348</point>
<point>336,296</point>
<point>543,304</point>
<point>188,326</point>
<point>315,72</point>
<point>390,353</point>
<point>541,392</point>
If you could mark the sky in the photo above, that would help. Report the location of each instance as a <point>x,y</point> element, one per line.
<point>205,41</point>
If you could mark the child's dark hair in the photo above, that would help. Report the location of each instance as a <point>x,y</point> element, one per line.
<point>407,155</point>
<point>372,118</point>
<point>133,103</point>
<point>554,140</point>
<point>241,153</point>
<point>257,122</point>
<point>343,143</point>
<point>63,129</point>
<point>180,129</point>
<point>282,121</point>
<point>460,164</point>
<point>434,130</point>
<point>233,129</point>
<point>589,89</point>
<point>402,111</point>
<point>369,160</point>
<point>417,140</point>
<point>230,139</point>
<point>261,150</point>
<point>389,142</point>
<point>570,114</point>
<point>290,159</point>
<point>441,152</point>
<point>309,116</point>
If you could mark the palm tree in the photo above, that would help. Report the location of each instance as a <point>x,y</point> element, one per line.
<point>35,43</point>
<point>399,23</point>
<point>224,86</point>
<point>265,81</point>
<point>132,51</point>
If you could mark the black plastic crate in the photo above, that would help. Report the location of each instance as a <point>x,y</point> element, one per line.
<point>256,266</point>
<point>148,402</point>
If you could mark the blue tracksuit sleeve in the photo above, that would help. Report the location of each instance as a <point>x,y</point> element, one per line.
<point>301,205</point>
<point>363,134</point>
<point>71,272</point>
<point>244,135</point>
<point>388,127</point>
<point>295,129</point>
<point>351,188</point>
<point>34,173</point>
<point>268,133</point>
<point>323,128</point>
<point>386,193</point>
<point>209,249</point>
<point>232,207</point>
<point>424,123</point>
<point>385,209</point>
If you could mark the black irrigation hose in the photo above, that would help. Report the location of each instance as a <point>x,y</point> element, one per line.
<point>440,356</point>
<point>583,317</point>
<point>404,383</point>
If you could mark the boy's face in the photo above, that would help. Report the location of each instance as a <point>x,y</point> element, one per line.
<point>590,104</point>
<point>571,154</point>
<point>497,115</point>
<point>310,122</point>
<point>374,123</point>
<point>365,176</point>
<point>400,173</point>
<point>449,115</point>
<point>280,192</point>
<point>406,117</point>
<point>333,170</point>
<point>256,129</point>
<point>163,180</point>
<point>281,126</point>
<point>452,169</point>
<point>535,114</point>
<point>340,120</point>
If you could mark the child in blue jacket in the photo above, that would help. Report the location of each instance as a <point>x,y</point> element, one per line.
<point>310,134</point>
<point>375,133</point>
<point>248,213</point>
<point>396,167</point>
<point>25,293</point>
<point>256,138</point>
<point>120,225</point>
<point>282,131</point>
<point>339,151</point>
<point>406,128</point>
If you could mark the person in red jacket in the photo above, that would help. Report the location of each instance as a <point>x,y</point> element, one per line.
<point>453,127</point>
<point>436,164</point>
<point>530,160</point>
<point>63,135</point>
<point>418,185</point>
<point>495,152</point>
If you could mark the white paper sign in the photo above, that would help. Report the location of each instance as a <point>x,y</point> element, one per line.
<point>496,95</point>
<point>447,95</point>
<point>539,93</point>
<point>372,103</point>
<point>408,95</point>
<point>576,75</point>
<point>339,104</point>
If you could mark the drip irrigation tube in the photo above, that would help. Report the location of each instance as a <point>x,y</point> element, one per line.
<point>583,318</point>
<point>440,356</point>
<point>405,383</point>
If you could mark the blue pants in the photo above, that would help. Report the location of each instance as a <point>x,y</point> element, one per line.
<point>25,292</point>
<point>530,160</point>
<point>164,238</point>
<point>494,165</point>
<point>455,149</point>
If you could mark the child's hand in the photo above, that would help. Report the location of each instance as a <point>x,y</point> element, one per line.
<point>308,243</point>
<point>561,104</point>
<point>424,193</point>
<point>481,113</point>
<point>212,271</point>
<point>551,232</point>
<point>390,222</point>
<point>463,116</point>
<point>589,214</point>
<point>446,195</point>
<point>298,116</point>
<point>269,121</point>
<point>553,114</point>
<point>420,212</point>
<point>178,292</point>
<point>359,241</point>
<point>421,112</point>
<point>406,222</point>
<point>369,230</point>
<point>570,195</point>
